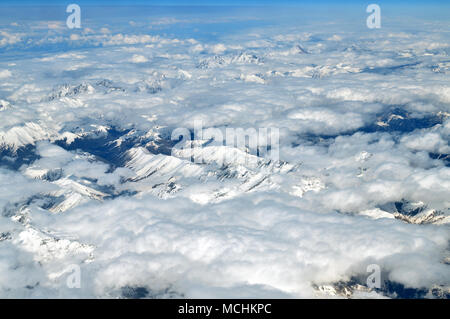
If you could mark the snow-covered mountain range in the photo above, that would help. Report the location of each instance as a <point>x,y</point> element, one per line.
<point>90,175</point>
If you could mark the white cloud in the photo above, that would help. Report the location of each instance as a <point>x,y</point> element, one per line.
<point>74,37</point>
<point>218,48</point>
<point>105,31</point>
<point>138,58</point>
<point>355,177</point>
<point>5,74</point>
<point>427,141</point>
<point>120,39</point>
<point>7,38</point>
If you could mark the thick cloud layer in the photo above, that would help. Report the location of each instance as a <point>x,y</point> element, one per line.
<point>91,180</point>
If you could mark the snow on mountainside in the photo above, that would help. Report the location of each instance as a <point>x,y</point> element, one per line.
<point>91,176</point>
<point>221,61</point>
<point>4,105</point>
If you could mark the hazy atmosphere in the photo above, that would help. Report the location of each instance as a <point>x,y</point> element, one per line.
<point>241,150</point>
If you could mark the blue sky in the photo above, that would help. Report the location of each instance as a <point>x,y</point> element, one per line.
<point>216,2</point>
